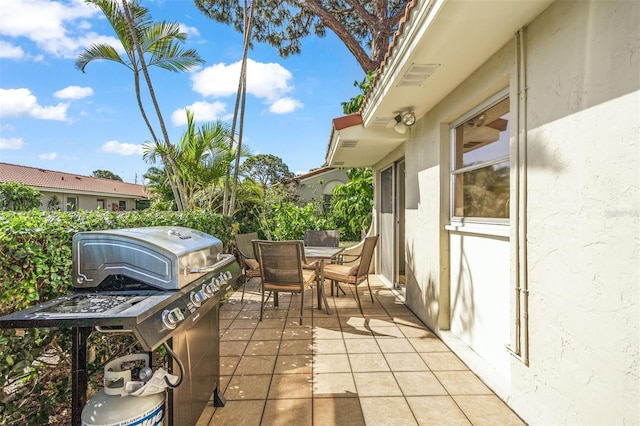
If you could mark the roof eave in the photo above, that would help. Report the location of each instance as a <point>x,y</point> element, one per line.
<point>450,38</point>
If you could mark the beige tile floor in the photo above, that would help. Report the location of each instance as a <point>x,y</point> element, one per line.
<point>383,368</point>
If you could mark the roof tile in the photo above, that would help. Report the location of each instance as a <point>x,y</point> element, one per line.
<point>52,180</point>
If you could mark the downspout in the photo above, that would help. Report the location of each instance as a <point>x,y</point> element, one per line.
<point>522,147</point>
<point>521,350</point>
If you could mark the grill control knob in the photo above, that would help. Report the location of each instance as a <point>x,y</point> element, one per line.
<point>214,287</point>
<point>197,297</point>
<point>171,318</point>
<point>222,278</point>
<point>206,290</point>
<point>209,289</point>
<point>228,275</point>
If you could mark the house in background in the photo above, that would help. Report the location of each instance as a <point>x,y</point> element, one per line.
<point>71,192</point>
<point>318,184</point>
<point>505,142</point>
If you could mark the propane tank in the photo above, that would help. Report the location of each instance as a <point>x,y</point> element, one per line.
<point>113,405</point>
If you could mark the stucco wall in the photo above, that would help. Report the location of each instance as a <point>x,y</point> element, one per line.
<point>581,214</point>
<point>312,189</point>
<point>583,225</point>
<point>85,202</point>
<point>427,191</point>
<point>480,290</point>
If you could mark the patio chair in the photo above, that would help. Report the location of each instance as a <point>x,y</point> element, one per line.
<point>250,266</point>
<point>282,266</point>
<point>325,238</point>
<point>356,274</point>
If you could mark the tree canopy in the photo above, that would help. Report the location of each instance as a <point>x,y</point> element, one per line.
<point>364,26</point>
<point>267,169</point>
<point>105,174</point>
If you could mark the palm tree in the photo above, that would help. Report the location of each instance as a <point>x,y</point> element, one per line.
<point>156,183</point>
<point>203,156</point>
<point>160,42</point>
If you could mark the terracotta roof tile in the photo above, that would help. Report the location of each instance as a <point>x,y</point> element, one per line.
<point>401,24</point>
<point>347,121</point>
<point>53,180</point>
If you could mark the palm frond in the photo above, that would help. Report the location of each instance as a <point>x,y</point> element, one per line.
<point>97,52</point>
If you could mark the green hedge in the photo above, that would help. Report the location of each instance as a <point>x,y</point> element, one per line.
<point>35,266</point>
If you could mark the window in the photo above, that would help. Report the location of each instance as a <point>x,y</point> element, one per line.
<point>327,192</point>
<point>480,168</point>
<point>326,204</point>
<point>122,205</point>
<point>72,204</point>
<point>102,204</point>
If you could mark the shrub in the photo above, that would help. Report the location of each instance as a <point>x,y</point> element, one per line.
<point>18,196</point>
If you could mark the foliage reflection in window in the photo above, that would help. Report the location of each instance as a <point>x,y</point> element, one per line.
<point>481,164</point>
<point>72,204</point>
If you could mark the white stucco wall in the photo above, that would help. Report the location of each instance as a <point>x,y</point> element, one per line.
<point>85,202</point>
<point>480,290</point>
<point>582,220</point>
<point>313,188</point>
<point>427,192</point>
<point>583,216</point>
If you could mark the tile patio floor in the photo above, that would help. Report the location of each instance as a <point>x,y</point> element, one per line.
<point>383,368</point>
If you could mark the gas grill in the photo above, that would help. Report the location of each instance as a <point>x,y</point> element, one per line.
<point>164,285</point>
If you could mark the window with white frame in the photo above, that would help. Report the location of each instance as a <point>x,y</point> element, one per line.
<point>480,164</point>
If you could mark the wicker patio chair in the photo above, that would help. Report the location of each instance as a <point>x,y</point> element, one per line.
<point>248,261</point>
<point>282,266</point>
<point>356,274</point>
<point>324,238</point>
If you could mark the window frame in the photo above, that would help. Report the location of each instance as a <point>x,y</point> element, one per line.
<point>453,173</point>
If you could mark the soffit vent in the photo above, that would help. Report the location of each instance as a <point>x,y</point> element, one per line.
<point>417,74</point>
<point>349,144</point>
<point>338,163</point>
<point>381,122</point>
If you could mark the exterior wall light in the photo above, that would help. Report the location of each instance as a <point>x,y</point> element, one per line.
<point>404,120</point>
<point>408,118</point>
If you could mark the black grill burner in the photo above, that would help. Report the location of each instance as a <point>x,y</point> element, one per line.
<point>164,285</point>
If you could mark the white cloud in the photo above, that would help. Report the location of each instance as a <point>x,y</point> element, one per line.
<point>48,156</point>
<point>58,28</point>
<point>115,147</point>
<point>11,143</point>
<point>74,92</point>
<point>190,31</point>
<point>9,51</point>
<point>202,111</point>
<point>16,103</point>
<point>284,106</point>
<point>267,81</point>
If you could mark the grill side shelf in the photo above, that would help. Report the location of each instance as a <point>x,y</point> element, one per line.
<point>79,310</point>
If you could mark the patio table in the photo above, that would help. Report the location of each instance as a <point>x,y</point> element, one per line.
<point>321,254</point>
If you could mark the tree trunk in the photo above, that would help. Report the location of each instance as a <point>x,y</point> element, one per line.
<point>242,93</point>
<point>330,21</point>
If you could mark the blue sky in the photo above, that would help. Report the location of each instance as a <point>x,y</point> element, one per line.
<point>55,117</point>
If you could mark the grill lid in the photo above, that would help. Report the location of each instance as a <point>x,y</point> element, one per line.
<point>164,257</point>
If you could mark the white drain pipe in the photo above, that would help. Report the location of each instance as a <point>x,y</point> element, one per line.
<point>521,349</point>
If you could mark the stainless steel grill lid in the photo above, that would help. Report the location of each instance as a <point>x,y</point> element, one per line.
<point>164,257</point>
